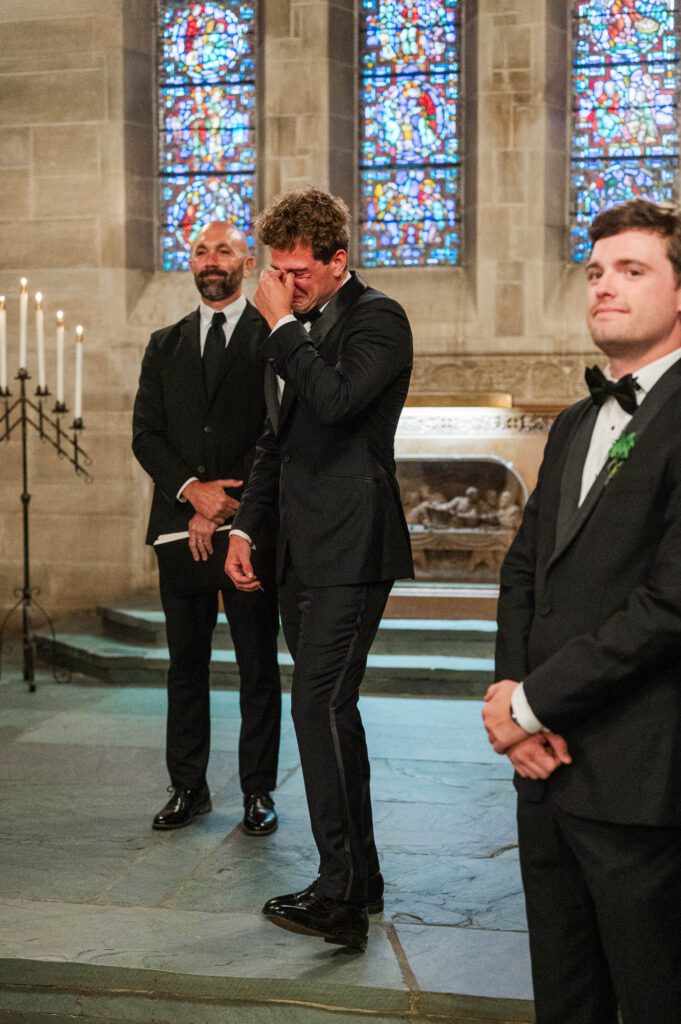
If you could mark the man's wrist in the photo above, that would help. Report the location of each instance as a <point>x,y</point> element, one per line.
<point>240,533</point>
<point>180,494</point>
<point>521,712</point>
<point>287,318</point>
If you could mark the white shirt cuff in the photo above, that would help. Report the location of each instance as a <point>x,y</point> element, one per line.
<point>240,533</point>
<point>524,714</point>
<point>179,495</point>
<point>288,319</point>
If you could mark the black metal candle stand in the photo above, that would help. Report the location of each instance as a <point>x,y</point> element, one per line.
<point>21,414</point>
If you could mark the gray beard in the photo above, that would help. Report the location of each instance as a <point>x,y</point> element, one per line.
<point>223,288</point>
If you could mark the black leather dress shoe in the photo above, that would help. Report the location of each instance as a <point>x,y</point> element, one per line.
<point>183,806</point>
<point>260,817</point>
<point>375,886</point>
<point>345,924</point>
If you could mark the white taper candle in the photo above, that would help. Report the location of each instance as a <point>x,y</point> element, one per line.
<point>3,344</point>
<point>59,398</point>
<point>40,339</point>
<point>78,399</point>
<point>23,323</point>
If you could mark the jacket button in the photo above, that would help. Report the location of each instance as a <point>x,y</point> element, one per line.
<point>200,469</point>
<point>545,608</point>
<point>286,458</point>
<point>208,430</point>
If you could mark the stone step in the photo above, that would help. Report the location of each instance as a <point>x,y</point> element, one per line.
<point>114,661</point>
<point>463,638</point>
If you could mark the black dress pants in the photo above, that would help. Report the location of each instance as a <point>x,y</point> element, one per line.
<point>329,631</point>
<point>604,911</point>
<point>254,624</point>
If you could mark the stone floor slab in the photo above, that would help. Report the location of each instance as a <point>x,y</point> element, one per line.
<point>92,894</point>
<point>491,964</point>
<point>189,944</point>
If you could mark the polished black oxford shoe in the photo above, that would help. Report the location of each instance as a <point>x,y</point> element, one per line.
<point>344,924</point>
<point>183,806</point>
<point>374,904</point>
<point>260,817</point>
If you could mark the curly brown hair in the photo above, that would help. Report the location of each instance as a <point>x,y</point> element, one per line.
<point>642,215</point>
<point>306,216</point>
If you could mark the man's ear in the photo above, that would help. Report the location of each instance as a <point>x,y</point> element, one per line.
<point>249,266</point>
<point>339,262</point>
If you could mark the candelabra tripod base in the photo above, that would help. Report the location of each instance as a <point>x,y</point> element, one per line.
<point>24,605</point>
<point>21,415</point>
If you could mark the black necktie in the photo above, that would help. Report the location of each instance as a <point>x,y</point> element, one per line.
<point>622,390</point>
<point>310,317</point>
<point>213,350</point>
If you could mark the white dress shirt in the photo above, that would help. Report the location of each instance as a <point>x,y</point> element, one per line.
<point>232,314</point>
<point>610,422</point>
<point>206,313</point>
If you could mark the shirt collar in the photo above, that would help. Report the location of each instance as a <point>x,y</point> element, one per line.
<point>648,376</point>
<point>232,312</point>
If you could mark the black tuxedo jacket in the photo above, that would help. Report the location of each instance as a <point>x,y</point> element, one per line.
<point>180,431</point>
<point>590,615</point>
<point>327,453</point>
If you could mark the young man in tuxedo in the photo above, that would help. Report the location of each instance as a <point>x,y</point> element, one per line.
<point>588,706</point>
<point>199,411</point>
<point>334,398</point>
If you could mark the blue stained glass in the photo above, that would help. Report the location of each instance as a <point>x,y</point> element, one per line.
<point>409,147</point>
<point>410,120</point>
<point>190,202</point>
<point>625,82</point>
<point>207,103</point>
<point>208,129</point>
<point>410,217</point>
<point>410,35</point>
<point>208,42</point>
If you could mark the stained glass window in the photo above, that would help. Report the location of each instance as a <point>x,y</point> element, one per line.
<point>207,99</point>
<point>625,80</point>
<point>410,176</point>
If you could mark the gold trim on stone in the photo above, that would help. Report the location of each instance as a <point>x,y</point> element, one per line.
<point>475,399</point>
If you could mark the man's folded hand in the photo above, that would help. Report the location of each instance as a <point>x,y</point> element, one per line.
<point>210,500</point>
<point>538,756</point>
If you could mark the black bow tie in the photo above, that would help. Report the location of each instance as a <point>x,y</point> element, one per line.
<point>622,390</point>
<point>310,317</point>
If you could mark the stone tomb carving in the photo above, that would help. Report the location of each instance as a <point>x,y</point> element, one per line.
<point>462,513</point>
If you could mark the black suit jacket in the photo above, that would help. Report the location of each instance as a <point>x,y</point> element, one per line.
<point>328,451</point>
<point>590,615</point>
<point>179,431</point>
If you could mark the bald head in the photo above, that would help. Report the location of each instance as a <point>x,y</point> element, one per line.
<point>219,262</point>
<point>219,231</point>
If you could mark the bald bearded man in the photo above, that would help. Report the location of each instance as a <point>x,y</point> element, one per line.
<point>199,410</point>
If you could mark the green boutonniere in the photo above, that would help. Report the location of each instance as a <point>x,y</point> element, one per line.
<point>619,453</point>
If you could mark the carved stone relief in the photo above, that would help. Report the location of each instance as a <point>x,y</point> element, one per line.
<point>416,422</point>
<point>462,514</point>
<point>528,378</point>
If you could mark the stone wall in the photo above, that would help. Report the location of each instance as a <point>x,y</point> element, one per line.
<point>77,211</point>
<point>77,219</point>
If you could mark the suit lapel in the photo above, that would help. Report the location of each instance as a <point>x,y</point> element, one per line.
<point>339,305</point>
<point>337,308</point>
<point>287,400</point>
<point>571,480</point>
<point>272,396</point>
<point>189,355</point>
<point>667,385</point>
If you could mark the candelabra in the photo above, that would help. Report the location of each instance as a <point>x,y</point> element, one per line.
<point>21,414</point>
